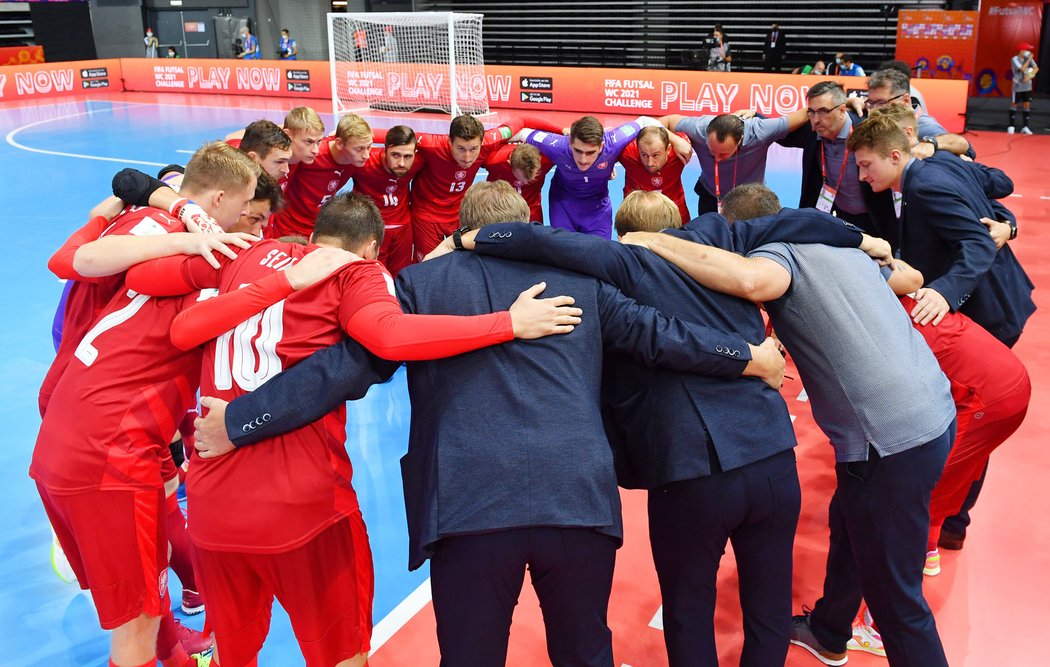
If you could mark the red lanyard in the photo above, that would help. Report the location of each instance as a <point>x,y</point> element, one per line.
<point>718,183</point>
<point>824,167</point>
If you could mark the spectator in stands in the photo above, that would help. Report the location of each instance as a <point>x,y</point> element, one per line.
<point>773,49</point>
<point>849,68</point>
<point>1024,70</point>
<point>719,59</point>
<point>172,53</point>
<point>287,49</point>
<point>249,44</point>
<point>818,68</point>
<point>151,43</point>
<point>389,48</point>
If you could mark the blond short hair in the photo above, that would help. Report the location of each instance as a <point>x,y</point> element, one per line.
<point>880,134</point>
<point>489,202</point>
<point>352,126</point>
<point>301,119</point>
<point>900,114</point>
<point>645,211</point>
<point>218,166</point>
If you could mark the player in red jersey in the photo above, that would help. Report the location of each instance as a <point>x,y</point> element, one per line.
<point>452,163</point>
<point>526,169</point>
<point>267,201</point>
<point>384,179</point>
<point>315,183</point>
<point>302,540</point>
<point>654,162</point>
<point>97,460</point>
<point>269,146</point>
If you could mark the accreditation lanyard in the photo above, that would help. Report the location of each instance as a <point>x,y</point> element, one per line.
<point>826,198</point>
<point>718,181</point>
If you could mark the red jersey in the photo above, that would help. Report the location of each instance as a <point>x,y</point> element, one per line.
<point>121,398</point>
<point>89,296</point>
<point>279,494</point>
<point>308,188</point>
<point>441,185</point>
<point>668,180</point>
<point>389,192</point>
<point>499,169</point>
<point>236,143</point>
<point>975,362</point>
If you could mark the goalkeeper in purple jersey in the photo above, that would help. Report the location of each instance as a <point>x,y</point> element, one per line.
<point>584,161</point>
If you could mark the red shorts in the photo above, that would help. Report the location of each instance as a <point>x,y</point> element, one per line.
<point>326,587</point>
<point>117,546</point>
<point>427,234</point>
<point>396,252</point>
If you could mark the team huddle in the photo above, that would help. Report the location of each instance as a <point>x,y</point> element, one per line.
<point>547,365</point>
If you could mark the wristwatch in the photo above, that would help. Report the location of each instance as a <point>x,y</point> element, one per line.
<point>457,237</point>
<point>929,139</point>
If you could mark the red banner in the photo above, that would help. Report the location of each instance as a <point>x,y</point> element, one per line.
<point>938,44</point>
<point>1004,25</point>
<point>584,90</point>
<point>661,92</point>
<point>51,80</point>
<point>300,78</point>
<point>21,55</point>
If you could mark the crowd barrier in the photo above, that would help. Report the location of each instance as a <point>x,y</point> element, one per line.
<point>585,90</point>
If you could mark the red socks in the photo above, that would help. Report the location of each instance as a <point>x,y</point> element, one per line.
<point>179,538</point>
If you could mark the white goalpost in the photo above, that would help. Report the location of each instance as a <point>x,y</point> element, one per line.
<point>407,61</point>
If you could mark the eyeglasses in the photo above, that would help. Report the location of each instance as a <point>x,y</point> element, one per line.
<point>820,113</point>
<point>875,104</point>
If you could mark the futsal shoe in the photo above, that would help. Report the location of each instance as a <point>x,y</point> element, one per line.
<point>802,635</point>
<point>933,563</point>
<point>1010,130</point>
<point>192,602</point>
<point>866,637</point>
<point>1026,130</point>
<point>193,642</point>
<point>59,562</point>
<point>951,541</point>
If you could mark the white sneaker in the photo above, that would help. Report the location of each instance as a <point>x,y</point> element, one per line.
<point>1025,130</point>
<point>866,638</point>
<point>933,563</point>
<point>59,562</point>
<point>1010,130</point>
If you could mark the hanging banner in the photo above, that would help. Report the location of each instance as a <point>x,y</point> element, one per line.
<point>52,80</point>
<point>1004,25</point>
<point>938,44</point>
<point>21,55</point>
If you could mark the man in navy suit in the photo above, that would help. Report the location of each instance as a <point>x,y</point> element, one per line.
<point>716,455</point>
<point>941,234</point>
<point>508,463</point>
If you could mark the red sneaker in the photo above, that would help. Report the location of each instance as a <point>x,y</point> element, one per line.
<point>192,602</point>
<point>192,640</point>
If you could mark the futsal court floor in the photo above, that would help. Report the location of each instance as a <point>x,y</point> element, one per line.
<point>57,161</point>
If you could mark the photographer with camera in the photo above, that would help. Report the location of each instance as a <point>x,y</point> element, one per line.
<point>719,59</point>
<point>287,49</point>
<point>249,47</point>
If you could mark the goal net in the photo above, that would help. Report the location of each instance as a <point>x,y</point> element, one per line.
<point>407,61</point>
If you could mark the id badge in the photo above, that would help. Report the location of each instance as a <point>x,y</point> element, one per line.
<point>826,198</point>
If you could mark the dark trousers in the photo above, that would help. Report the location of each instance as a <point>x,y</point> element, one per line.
<point>756,507</point>
<point>879,518</point>
<point>707,202</point>
<point>476,580</point>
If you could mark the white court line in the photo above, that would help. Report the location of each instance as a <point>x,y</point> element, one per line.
<point>1042,197</point>
<point>1018,196</point>
<point>10,138</point>
<point>400,615</point>
<point>183,150</point>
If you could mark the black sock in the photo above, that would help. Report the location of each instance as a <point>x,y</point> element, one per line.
<point>1025,113</point>
<point>1013,117</point>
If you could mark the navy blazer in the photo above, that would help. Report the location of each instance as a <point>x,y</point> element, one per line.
<point>942,236</point>
<point>661,422</point>
<point>506,436</point>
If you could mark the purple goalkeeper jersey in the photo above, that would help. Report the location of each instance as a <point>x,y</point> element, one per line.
<point>568,180</point>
